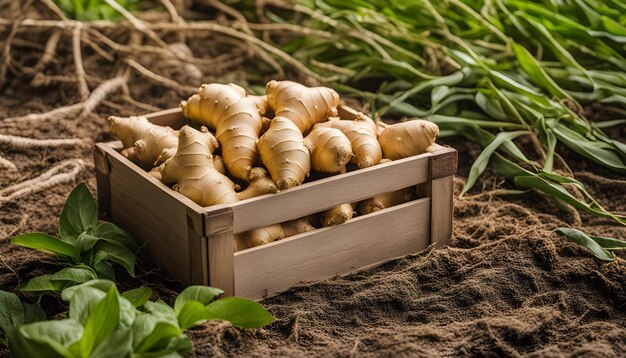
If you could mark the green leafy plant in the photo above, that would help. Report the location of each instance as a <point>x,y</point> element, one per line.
<point>601,247</point>
<point>89,10</point>
<point>14,313</point>
<point>490,71</point>
<point>86,247</point>
<point>103,323</point>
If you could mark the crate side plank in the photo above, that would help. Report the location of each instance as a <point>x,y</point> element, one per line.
<point>363,241</point>
<point>172,117</point>
<point>221,265</point>
<point>325,193</point>
<point>442,192</point>
<point>152,217</point>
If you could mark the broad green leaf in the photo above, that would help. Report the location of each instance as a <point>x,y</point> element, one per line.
<point>49,338</point>
<point>104,270</point>
<point>79,213</point>
<point>44,283</point>
<point>102,322</point>
<point>47,243</point>
<point>162,311</point>
<point>114,234</point>
<point>160,337</point>
<point>86,241</point>
<point>596,151</point>
<point>583,239</point>
<point>117,345</point>
<point>192,314</point>
<point>83,302</point>
<point>11,311</point>
<point>139,296</point>
<point>76,275</point>
<point>105,251</point>
<point>202,294</point>
<point>240,312</point>
<point>480,164</point>
<point>33,313</point>
<point>101,285</point>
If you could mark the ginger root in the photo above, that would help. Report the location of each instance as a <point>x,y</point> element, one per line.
<point>405,139</point>
<point>271,233</point>
<point>303,105</point>
<point>386,200</point>
<point>362,134</point>
<point>145,144</point>
<point>338,214</point>
<point>236,119</point>
<point>192,172</point>
<point>260,184</point>
<point>285,154</point>
<point>331,150</point>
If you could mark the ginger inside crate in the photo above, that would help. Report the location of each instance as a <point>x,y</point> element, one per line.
<point>334,216</point>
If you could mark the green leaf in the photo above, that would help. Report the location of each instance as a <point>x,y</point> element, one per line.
<point>536,73</point>
<point>480,164</point>
<point>43,283</point>
<point>83,302</point>
<point>100,285</point>
<point>240,312</point>
<point>77,275</point>
<point>202,294</point>
<point>139,296</point>
<point>117,345</point>
<point>608,243</point>
<point>79,213</point>
<point>192,314</point>
<point>11,311</point>
<point>114,234</point>
<point>102,322</point>
<point>105,251</point>
<point>49,338</point>
<point>104,270</point>
<point>47,243</point>
<point>583,239</point>
<point>160,337</point>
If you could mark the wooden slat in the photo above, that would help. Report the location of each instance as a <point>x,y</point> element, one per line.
<point>325,193</point>
<point>363,241</point>
<point>102,181</point>
<point>172,117</point>
<point>441,191</point>
<point>198,251</point>
<point>152,213</point>
<point>221,265</point>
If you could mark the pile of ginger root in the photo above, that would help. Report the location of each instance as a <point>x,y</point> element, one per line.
<point>267,144</point>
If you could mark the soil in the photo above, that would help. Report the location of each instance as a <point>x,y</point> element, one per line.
<point>505,286</point>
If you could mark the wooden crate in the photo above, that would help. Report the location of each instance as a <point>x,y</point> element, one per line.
<point>195,244</point>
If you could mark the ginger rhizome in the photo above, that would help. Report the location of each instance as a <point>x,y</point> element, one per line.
<point>284,153</point>
<point>405,139</point>
<point>192,172</point>
<point>362,134</point>
<point>145,144</point>
<point>235,117</point>
<point>304,106</point>
<point>260,184</point>
<point>331,150</point>
<point>271,233</point>
<point>386,200</point>
<point>338,214</point>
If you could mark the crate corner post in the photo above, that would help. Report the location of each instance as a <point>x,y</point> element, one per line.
<point>443,165</point>
<point>221,257</point>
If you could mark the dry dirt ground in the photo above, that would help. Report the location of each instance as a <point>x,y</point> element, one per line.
<point>505,286</point>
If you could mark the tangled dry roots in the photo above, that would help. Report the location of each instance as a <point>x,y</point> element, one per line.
<point>123,65</point>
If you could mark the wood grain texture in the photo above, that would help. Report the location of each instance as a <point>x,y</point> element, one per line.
<point>152,213</point>
<point>198,250</point>
<point>441,193</point>
<point>443,163</point>
<point>102,181</point>
<point>363,241</point>
<point>325,193</point>
<point>349,113</point>
<point>221,262</point>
